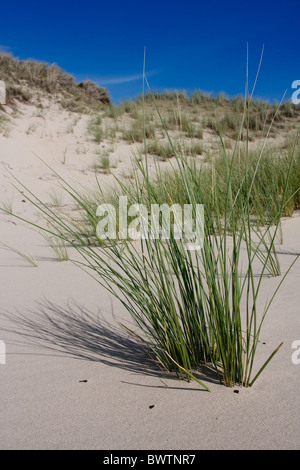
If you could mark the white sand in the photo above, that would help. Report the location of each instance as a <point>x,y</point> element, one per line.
<point>44,403</point>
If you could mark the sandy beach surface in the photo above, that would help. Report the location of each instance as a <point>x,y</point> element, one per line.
<point>73,378</point>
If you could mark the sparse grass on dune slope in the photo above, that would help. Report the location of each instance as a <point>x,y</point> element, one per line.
<point>197,120</point>
<point>217,113</point>
<point>27,77</point>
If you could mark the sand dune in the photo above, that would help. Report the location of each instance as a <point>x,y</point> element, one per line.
<point>73,379</point>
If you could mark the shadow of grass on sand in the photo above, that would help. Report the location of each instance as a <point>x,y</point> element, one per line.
<point>74,330</point>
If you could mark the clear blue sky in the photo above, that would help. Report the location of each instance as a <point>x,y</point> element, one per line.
<point>189,44</point>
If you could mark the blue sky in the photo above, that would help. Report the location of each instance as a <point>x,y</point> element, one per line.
<point>189,44</point>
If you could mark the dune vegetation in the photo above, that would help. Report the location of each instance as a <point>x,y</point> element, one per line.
<point>197,311</point>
